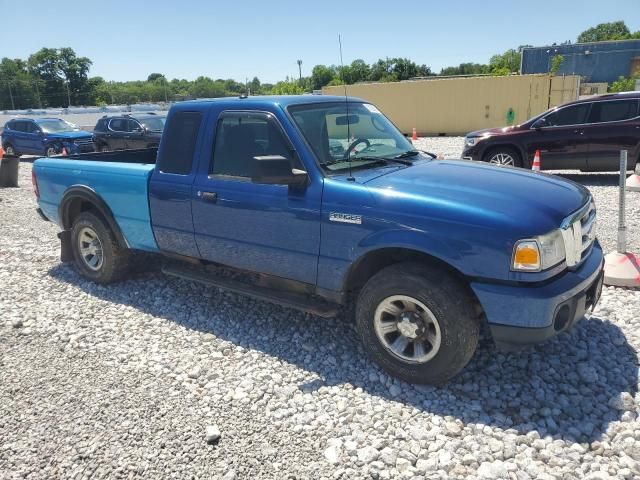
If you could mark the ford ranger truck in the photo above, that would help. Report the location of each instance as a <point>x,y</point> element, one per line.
<point>314,202</point>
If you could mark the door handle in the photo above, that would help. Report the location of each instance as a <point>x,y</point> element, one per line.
<point>579,132</point>
<point>208,196</point>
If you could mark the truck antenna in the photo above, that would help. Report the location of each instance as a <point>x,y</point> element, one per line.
<point>346,102</point>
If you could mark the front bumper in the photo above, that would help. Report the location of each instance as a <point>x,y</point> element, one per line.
<point>525,315</point>
<point>471,153</point>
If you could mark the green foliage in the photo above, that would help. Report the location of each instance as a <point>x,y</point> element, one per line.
<point>503,64</point>
<point>607,31</point>
<point>466,69</point>
<point>556,63</point>
<point>624,84</point>
<point>287,87</point>
<point>322,75</point>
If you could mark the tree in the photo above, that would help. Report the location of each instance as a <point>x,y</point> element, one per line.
<point>605,31</point>
<point>466,69</point>
<point>18,89</point>
<point>556,63</point>
<point>287,87</point>
<point>322,75</point>
<point>44,65</point>
<point>254,85</point>
<point>505,63</point>
<point>75,70</point>
<point>155,76</point>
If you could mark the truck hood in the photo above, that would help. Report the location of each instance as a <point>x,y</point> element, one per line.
<point>69,135</point>
<point>471,193</point>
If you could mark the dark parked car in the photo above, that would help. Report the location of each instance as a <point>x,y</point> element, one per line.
<point>44,136</point>
<point>586,134</point>
<point>128,131</point>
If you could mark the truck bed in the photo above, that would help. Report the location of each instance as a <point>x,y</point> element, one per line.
<point>121,179</point>
<point>144,155</point>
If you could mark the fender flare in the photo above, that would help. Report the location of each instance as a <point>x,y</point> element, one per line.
<point>401,239</point>
<point>89,195</point>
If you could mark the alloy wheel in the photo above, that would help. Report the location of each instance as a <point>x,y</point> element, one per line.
<point>407,329</point>
<point>90,248</point>
<point>502,159</point>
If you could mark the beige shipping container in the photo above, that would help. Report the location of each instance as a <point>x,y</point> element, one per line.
<point>456,106</point>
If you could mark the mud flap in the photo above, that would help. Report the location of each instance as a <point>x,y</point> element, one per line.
<point>66,254</point>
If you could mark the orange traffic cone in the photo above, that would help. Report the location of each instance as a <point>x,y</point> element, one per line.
<point>414,134</point>
<point>536,162</point>
<point>1,152</point>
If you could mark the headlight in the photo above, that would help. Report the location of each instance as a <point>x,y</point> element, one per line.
<point>539,253</point>
<point>470,141</point>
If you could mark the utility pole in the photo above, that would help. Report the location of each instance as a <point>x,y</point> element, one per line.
<point>13,105</point>
<point>300,70</point>
<point>68,95</point>
<point>38,94</point>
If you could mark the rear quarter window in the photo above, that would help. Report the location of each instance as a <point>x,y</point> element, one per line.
<point>179,143</point>
<point>613,111</point>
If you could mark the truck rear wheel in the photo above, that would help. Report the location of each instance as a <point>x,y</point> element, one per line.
<point>96,253</point>
<point>417,323</point>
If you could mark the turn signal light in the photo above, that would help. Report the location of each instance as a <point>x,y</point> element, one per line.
<point>526,256</point>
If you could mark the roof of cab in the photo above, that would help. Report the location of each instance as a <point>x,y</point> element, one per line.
<point>262,100</point>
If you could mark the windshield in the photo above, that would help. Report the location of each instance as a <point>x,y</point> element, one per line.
<point>354,134</point>
<point>55,125</point>
<point>155,124</point>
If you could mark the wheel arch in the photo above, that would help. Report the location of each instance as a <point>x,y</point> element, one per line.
<point>80,198</point>
<point>376,259</point>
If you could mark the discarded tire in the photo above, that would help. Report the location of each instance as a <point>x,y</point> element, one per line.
<point>9,171</point>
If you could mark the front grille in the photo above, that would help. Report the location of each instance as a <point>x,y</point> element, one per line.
<point>579,233</point>
<point>85,144</point>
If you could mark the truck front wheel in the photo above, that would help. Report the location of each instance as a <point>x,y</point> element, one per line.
<point>418,323</point>
<point>96,253</point>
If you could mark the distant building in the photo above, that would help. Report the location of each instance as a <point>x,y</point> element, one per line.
<point>595,62</point>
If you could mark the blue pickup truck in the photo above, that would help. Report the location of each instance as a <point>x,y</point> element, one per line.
<point>315,202</point>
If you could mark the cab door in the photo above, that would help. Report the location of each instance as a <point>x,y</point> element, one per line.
<point>272,229</point>
<point>560,138</point>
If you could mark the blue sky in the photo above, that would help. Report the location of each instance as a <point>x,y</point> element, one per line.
<point>127,40</point>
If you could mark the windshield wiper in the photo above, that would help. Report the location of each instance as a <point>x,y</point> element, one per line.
<point>413,153</point>
<point>373,161</point>
<point>397,159</point>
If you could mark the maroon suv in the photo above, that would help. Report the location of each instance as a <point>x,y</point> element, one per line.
<point>586,135</point>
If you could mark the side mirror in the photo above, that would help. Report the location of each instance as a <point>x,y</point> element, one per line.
<point>276,170</point>
<point>540,123</point>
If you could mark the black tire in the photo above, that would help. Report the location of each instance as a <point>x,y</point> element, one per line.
<point>447,299</point>
<point>115,260</point>
<point>51,150</point>
<point>10,151</point>
<point>511,152</point>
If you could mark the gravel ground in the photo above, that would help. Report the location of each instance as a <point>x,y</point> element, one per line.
<point>127,381</point>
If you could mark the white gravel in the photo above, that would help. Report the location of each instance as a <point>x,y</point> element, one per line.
<point>163,378</point>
